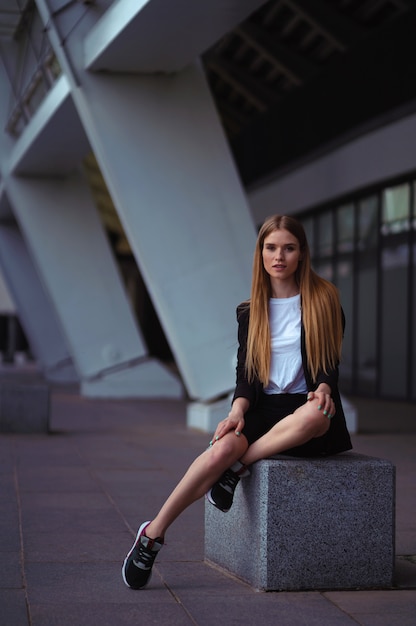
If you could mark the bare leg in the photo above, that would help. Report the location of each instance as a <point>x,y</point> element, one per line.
<point>201,475</point>
<point>295,429</point>
<point>306,423</point>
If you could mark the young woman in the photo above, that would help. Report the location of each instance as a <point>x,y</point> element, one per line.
<point>286,398</point>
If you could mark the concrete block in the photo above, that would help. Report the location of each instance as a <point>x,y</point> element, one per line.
<point>324,523</point>
<point>24,407</point>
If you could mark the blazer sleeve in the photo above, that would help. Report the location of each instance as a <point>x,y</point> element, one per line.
<point>243,388</point>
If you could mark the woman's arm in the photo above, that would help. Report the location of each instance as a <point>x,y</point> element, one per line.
<point>244,393</point>
<point>243,388</point>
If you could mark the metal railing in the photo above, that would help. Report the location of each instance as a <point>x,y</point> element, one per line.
<point>16,18</point>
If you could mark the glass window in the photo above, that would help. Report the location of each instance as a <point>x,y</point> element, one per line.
<point>345,284</point>
<point>367,294</point>
<point>414,207</point>
<point>367,355</point>
<point>325,244</point>
<point>368,223</point>
<point>396,209</point>
<point>307,224</point>
<point>414,331</point>
<point>345,228</point>
<point>324,269</point>
<point>344,278</point>
<point>394,311</point>
<point>368,249</point>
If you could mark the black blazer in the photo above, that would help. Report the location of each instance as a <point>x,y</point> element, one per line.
<point>337,438</point>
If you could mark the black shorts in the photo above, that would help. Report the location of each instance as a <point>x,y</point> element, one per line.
<point>270,410</point>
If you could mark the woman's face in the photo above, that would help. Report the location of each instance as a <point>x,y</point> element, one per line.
<point>281,255</point>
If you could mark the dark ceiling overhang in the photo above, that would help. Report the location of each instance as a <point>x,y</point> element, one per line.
<point>291,81</point>
<point>14,16</point>
<point>299,77</point>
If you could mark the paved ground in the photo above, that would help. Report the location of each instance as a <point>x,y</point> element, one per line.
<point>70,503</point>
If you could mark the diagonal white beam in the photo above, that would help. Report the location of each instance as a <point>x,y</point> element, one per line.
<point>55,141</point>
<point>160,36</point>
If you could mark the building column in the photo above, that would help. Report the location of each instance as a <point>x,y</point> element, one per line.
<point>69,247</point>
<point>176,190</point>
<point>36,314</point>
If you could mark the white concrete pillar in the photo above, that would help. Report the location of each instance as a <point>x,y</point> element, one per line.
<point>168,167</point>
<point>161,148</point>
<point>36,314</point>
<point>68,244</point>
<point>177,192</point>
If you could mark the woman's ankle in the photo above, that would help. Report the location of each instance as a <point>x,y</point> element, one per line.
<point>152,531</point>
<point>240,468</point>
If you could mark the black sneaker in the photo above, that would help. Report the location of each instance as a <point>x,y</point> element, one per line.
<point>137,566</point>
<point>221,493</point>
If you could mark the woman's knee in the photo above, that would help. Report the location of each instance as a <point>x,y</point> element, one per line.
<point>227,450</point>
<point>313,419</point>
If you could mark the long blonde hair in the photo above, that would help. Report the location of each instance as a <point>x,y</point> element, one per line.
<point>321,309</point>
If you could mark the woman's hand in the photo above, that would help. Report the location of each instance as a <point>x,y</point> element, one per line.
<point>326,403</point>
<point>233,422</point>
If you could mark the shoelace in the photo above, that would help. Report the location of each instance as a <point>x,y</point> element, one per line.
<point>229,480</point>
<point>145,555</point>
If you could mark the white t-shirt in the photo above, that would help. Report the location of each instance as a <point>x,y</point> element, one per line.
<point>286,371</point>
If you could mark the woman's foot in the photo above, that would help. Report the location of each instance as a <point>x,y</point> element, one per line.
<point>137,566</point>
<point>221,493</point>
